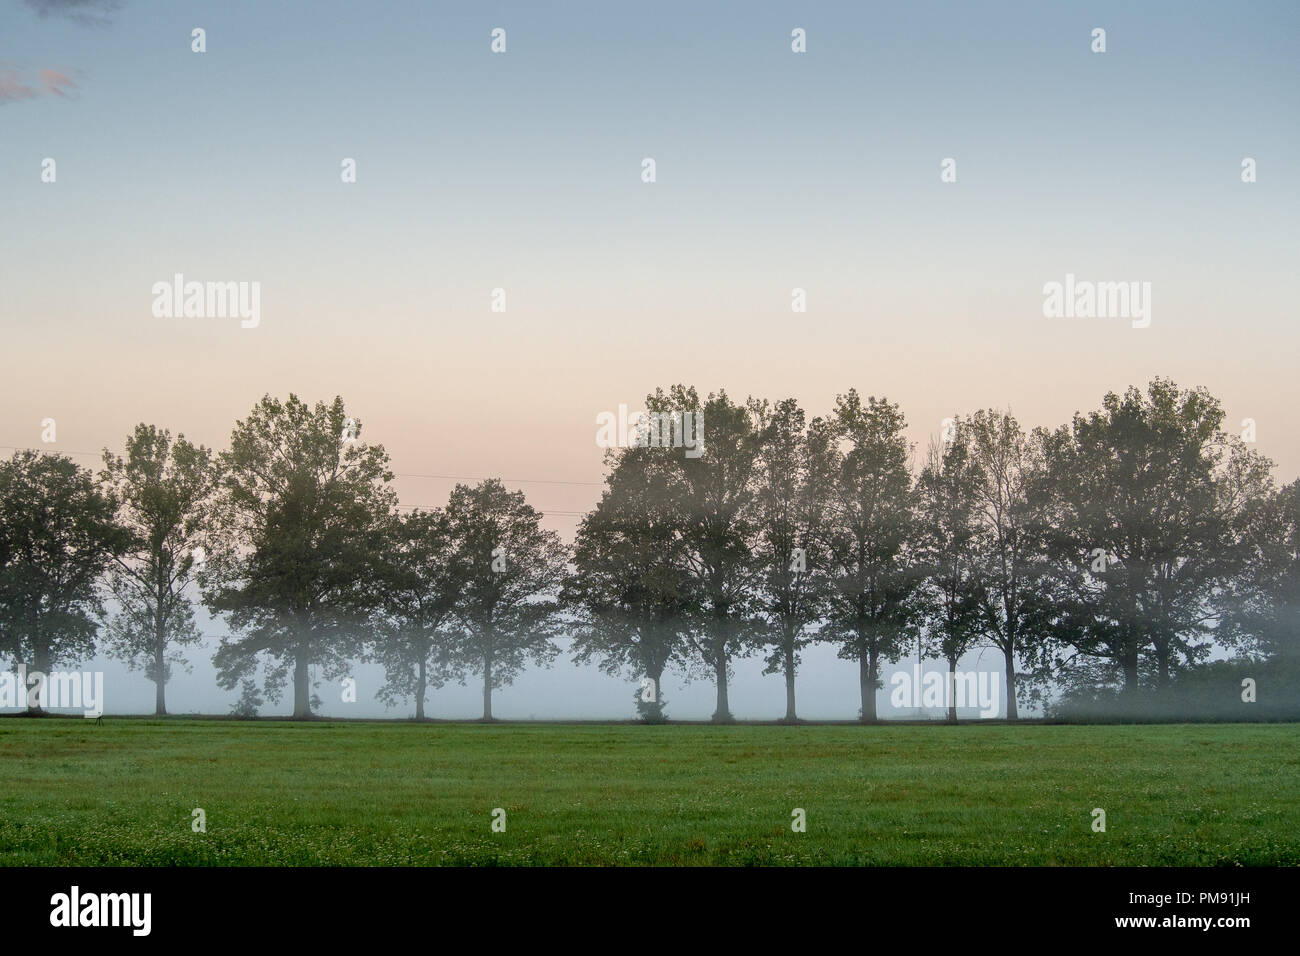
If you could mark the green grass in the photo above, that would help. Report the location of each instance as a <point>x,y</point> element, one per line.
<point>73,793</point>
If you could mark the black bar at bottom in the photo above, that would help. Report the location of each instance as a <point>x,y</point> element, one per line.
<point>927,906</point>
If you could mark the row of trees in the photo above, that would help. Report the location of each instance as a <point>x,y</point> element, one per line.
<point>1116,551</point>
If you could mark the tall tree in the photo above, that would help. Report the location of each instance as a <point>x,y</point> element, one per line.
<point>1146,494</point>
<point>716,496</point>
<point>1010,546</point>
<point>417,638</point>
<point>629,586</point>
<point>58,537</point>
<point>861,470</point>
<point>302,509</point>
<point>788,516</point>
<point>1260,609</point>
<point>510,571</point>
<point>161,488</point>
<point>948,491</point>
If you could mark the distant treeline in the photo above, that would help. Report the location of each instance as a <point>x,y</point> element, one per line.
<point>1109,560</point>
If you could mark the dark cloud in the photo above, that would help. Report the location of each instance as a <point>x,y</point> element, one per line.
<point>88,12</point>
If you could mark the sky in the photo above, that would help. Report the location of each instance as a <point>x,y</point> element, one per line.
<point>522,171</point>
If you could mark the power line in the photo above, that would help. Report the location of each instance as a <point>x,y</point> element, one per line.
<point>520,481</point>
<point>544,512</point>
<point>548,511</point>
<point>60,451</point>
<point>396,474</point>
<point>536,481</point>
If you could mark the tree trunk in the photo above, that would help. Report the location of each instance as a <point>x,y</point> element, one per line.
<point>487,686</point>
<point>723,714</point>
<point>40,665</point>
<point>867,684</point>
<point>1162,662</point>
<point>1130,662</point>
<point>420,685</point>
<point>301,687</point>
<point>159,665</point>
<point>654,713</point>
<point>952,690</point>
<point>1013,712</point>
<point>789,682</point>
<point>159,696</point>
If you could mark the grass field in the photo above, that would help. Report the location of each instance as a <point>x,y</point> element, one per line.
<point>73,793</point>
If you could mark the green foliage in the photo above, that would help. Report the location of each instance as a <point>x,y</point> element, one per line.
<point>715,492</point>
<point>299,527</point>
<point>861,469</point>
<point>1260,608</point>
<point>1116,553</point>
<point>57,538</point>
<point>629,589</point>
<point>947,540</point>
<point>792,587</point>
<point>161,489</point>
<point>509,574</point>
<point>1146,502</point>
<point>416,637</point>
<point>1214,691</point>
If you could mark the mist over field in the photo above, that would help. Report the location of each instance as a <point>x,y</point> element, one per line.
<point>828,691</point>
